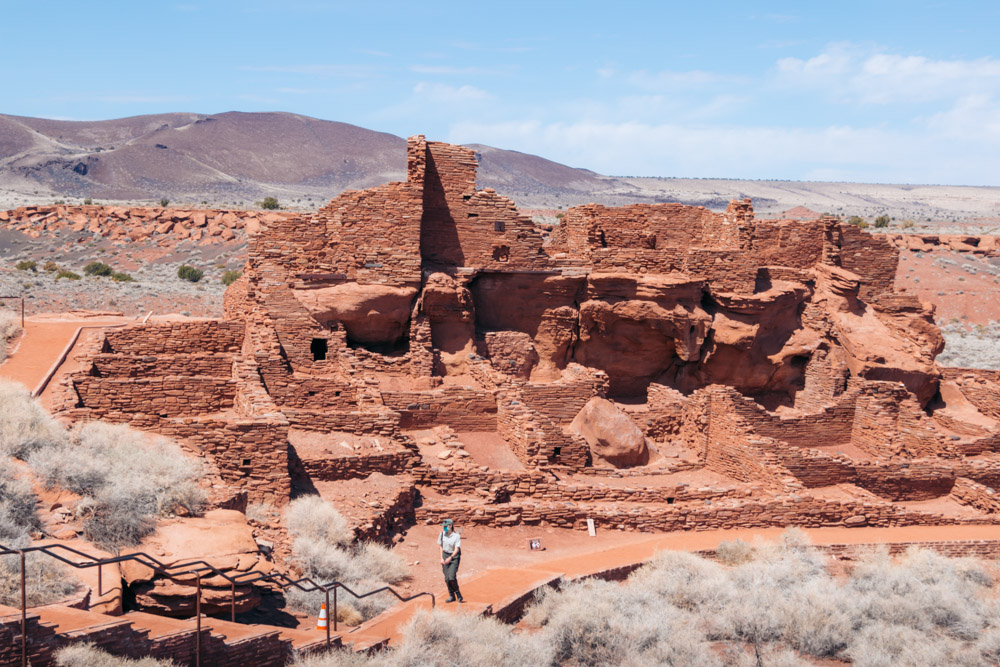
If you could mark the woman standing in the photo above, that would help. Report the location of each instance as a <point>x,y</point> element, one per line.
<point>451,553</point>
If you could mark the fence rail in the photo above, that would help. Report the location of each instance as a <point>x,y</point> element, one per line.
<point>198,568</point>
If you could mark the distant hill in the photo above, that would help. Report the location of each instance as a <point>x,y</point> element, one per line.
<point>238,158</point>
<point>237,155</point>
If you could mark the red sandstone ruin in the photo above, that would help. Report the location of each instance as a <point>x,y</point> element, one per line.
<point>428,331</point>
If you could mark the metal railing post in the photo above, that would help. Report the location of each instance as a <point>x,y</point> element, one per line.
<point>232,589</point>
<point>197,611</point>
<point>327,592</point>
<point>335,587</point>
<point>24,611</point>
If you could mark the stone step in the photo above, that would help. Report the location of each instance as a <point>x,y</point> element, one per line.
<point>113,634</point>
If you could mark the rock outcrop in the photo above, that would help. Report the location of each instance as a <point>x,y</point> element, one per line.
<point>613,436</point>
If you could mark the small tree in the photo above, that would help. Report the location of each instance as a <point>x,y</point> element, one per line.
<point>164,202</point>
<point>270,204</point>
<point>882,221</point>
<point>189,273</point>
<point>230,277</point>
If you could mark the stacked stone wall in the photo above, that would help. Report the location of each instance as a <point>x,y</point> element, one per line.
<point>176,338</point>
<point>462,408</point>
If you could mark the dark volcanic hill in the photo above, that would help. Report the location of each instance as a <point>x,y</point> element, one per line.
<point>237,155</point>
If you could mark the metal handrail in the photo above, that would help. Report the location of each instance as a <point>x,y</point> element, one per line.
<point>197,567</point>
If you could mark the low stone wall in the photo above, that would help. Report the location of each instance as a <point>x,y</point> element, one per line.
<point>784,511</point>
<point>176,338</point>
<point>122,365</point>
<point>384,423</point>
<point>330,468</point>
<point>462,408</point>
<point>167,396</point>
<point>976,495</point>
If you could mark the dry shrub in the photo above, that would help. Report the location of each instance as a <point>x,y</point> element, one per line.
<point>734,552</point>
<point>17,506</point>
<point>322,548</point>
<point>24,426</point>
<point>10,324</point>
<point>47,580</point>
<point>314,518</point>
<point>444,638</point>
<point>595,622</point>
<point>86,655</point>
<point>127,480</point>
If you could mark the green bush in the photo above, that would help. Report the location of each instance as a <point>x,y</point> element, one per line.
<point>230,277</point>
<point>98,269</point>
<point>27,265</point>
<point>189,273</point>
<point>122,277</point>
<point>856,220</point>
<point>882,221</point>
<point>69,275</point>
<point>50,267</point>
<point>164,202</point>
<point>88,201</point>
<point>270,204</point>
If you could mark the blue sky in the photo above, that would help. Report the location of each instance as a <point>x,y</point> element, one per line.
<point>867,91</point>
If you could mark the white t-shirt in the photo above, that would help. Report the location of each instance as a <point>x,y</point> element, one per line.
<point>449,542</point>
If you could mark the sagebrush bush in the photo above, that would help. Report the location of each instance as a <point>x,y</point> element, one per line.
<point>322,547</point>
<point>68,275</point>
<point>734,552</point>
<point>47,580</point>
<point>24,426</point>
<point>230,277</point>
<point>87,655</point>
<point>10,325</point>
<point>443,638</point>
<point>128,478</point>
<point>27,265</point>
<point>312,517</point>
<point>18,504</point>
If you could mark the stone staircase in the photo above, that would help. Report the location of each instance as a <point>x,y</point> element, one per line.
<point>137,634</point>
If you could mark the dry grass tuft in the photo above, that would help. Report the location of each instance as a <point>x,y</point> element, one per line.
<point>86,655</point>
<point>25,427</point>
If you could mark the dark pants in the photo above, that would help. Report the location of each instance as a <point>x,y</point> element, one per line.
<point>451,576</point>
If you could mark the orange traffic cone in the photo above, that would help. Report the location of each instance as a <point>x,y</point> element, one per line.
<point>323,621</point>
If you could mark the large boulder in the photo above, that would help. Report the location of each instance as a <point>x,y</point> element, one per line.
<point>611,434</point>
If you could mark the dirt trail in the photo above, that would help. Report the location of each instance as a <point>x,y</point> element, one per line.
<point>43,339</point>
<point>496,587</point>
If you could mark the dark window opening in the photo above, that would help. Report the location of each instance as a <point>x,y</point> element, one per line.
<point>670,501</point>
<point>499,226</point>
<point>246,463</point>
<point>556,451</point>
<point>318,349</point>
<point>603,239</point>
<point>310,393</point>
<point>501,253</point>
<point>336,393</point>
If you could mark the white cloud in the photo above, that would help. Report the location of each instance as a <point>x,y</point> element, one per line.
<point>851,73</point>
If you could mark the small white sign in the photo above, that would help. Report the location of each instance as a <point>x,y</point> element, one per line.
<point>590,528</point>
